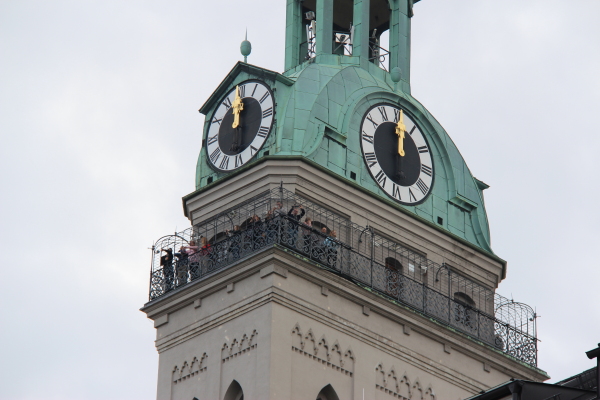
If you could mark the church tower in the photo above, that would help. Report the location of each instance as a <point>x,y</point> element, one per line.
<point>339,246</point>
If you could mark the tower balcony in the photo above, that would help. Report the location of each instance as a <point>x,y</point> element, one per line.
<point>359,254</point>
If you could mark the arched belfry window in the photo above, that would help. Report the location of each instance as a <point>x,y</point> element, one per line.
<point>327,393</point>
<point>234,392</point>
<point>464,299</point>
<point>464,313</point>
<point>394,265</point>
<point>379,25</point>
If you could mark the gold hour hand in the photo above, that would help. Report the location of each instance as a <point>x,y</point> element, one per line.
<point>400,131</point>
<point>238,106</point>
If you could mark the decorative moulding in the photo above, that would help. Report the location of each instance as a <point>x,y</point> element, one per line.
<point>237,348</point>
<point>188,370</point>
<point>401,387</point>
<point>322,352</point>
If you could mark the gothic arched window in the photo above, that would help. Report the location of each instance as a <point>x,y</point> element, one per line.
<point>234,392</point>
<point>464,299</point>
<point>327,393</point>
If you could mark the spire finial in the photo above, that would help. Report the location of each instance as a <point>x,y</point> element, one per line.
<point>246,47</point>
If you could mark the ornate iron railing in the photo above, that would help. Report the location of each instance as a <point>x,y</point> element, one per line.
<point>363,255</point>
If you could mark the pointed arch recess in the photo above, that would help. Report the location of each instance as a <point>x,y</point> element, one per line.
<point>234,392</point>
<point>328,393</point>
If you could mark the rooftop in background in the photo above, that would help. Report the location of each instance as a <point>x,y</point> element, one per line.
<point>587,380</point>
<point>583,386</point>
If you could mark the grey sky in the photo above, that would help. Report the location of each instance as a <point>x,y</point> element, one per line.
<point>100,135</point>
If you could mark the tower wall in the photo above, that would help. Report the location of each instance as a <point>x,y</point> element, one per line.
<point>283,327</point>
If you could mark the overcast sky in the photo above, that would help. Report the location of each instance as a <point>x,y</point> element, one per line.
<point>100,134</point>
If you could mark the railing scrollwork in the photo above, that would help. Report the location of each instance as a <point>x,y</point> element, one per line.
<point>357,253</point>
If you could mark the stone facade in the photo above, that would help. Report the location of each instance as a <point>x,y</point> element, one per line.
<point>279,326</point>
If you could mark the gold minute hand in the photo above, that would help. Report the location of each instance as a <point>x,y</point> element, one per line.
<point>238,106</point>
<point>400,130</point>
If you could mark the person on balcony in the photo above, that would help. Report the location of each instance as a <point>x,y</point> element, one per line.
<point>187,260</point>
<point>331,245</point>
<point>320,244</point>
<point>205,256</point>
<point>270,227</point>
<point>235,241</point>
<point>166,262</point>
<point>257,231</point>
<point>307,237</point>
<point>181,266</point>
<point>278,210</point>
<point>294,219</point>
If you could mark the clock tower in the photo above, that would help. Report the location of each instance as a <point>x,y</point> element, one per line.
<point>339,246</point>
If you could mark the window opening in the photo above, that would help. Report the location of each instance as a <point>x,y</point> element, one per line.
<point>343,30</point>
<point>234,392</point>
<point>309,33</point>
<point>379,23</point>
<point>327,393</point>
<point>319,226</point>
<point>464,299</point>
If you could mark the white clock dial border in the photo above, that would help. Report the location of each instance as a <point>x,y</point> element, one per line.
<point>410,195</point>
<point>261,93</point>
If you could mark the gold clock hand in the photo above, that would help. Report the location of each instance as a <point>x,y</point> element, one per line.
<point>237,106</point>
<point>400,130</point>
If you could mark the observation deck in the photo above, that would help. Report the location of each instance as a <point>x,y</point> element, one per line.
<point>358,254</point>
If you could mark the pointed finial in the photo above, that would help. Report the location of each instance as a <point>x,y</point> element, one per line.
<point>246,48</point>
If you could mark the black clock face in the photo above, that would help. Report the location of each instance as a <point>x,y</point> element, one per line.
<point>240,126</point>
<point>397,154</point>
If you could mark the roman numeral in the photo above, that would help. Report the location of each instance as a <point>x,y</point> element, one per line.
<point>268,112</point>
<point>367,138</point>
<point>215,155</point>
<point>265,96</point>
<point>254,90</point>
<point>253,150</point>
<point>396,115</point>
<point>371,159</point>
<point>383,113</point>
<point>227,103</point>
<point>412,130</point>
<point>263,131</point>
<point>238,160</point>
<point>217,121</point>
<point>375,124</point>
<point>381,178</point>
<point>422,186</point>
<point>411,196</point>
<point>224,162</point>
<point>396,191</point>
<point>426,170</point>
<point>423,149</point>
<point>243,91</point>
<point>212,139</point>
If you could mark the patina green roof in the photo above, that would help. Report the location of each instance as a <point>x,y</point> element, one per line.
<point>320,104</point>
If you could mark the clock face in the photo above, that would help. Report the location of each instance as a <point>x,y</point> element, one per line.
<point>240,126</point>
<point>397,154</point>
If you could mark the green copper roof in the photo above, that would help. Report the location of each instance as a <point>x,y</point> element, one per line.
<point>320,105</point>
